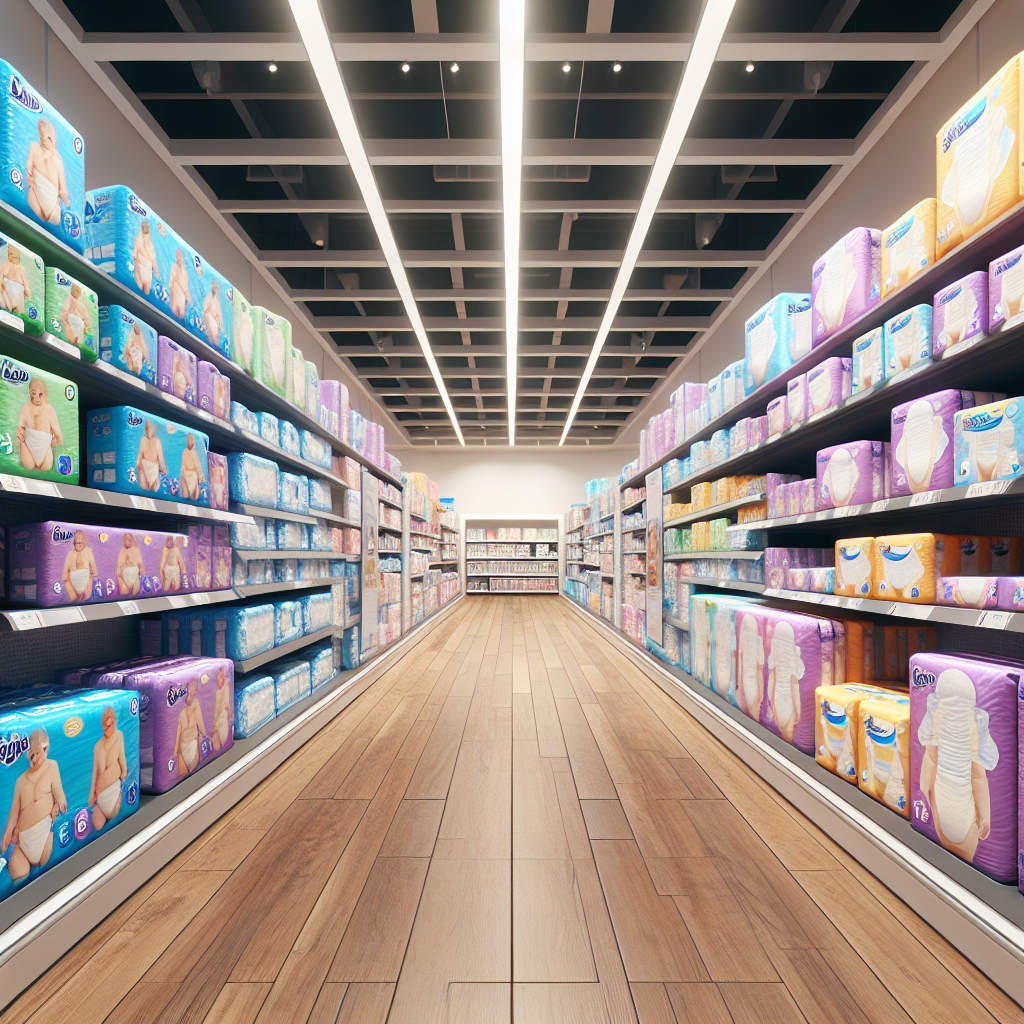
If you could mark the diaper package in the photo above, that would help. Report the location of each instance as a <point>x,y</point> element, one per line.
<point>778,415</point>
<point>177,370</point>
<point>218,465</point>
<point>139,453</point>
<point>907,339</point>
<point>969,591</point>
<point>250,631</point>
<point>288,435</point>
<point>750,660</point>
<point>270,429</point>
<point>22,287</point>
<point>70,771</point>
<point>244,419</point>
<point>963,757</point>
<point>908,246</point>
<point>317,612</point>
<point>136,247</point>
<point>987,442</point>
<point>977,160</point>
<point>293,493</point>
<point>244,336</point>
<point>213,393</point>
<point>287,621</point>
<point>295,385</point>
<point>72,312</point>
<point>855,563</point>
<point>43,160</point>
<point>867,366</point>
<point>837,728</point>
<point>796,398</point>
<point>849,474</point>
<point>320,498</point>
<point>312,391</point>
<point>960,312</point>
<point>828,384</point>
<point>253,480</point>
<point>315,449</point>
<point>38,423</point>
<point>62,563</point>
<point>274,347</point>
<point>128,343</point>
<point>884,761</point>
<point>334,407</point>
<point>291,682</point>
<point>845,282</point>
<point>186,715</point>
<point>908,567</point>
<point>254,703</point>
<point>922,441</point>
<point>775,337</point>
<point>1005,290</point>
<point>1010,593</point>
<point>321,665</point>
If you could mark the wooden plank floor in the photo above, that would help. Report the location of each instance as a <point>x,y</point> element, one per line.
<point>513,824</point>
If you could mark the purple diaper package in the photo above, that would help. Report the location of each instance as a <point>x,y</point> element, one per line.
<point>776,565</point>
<point>845,282</point>
<point>774,483</point>
<point>922,441</point>
<point>968,591</point>
<point>201,542</point>
<point>218,467</point>
<point>177,370</point>
<point>828,384</point>
<point>850,474</point>
<point>778,416</point>
<point>60,563</point>
<point>1006,290</point>
<point>1010,593</point>
<point>963,757</point>
<point>213,392</point>
<point>185,720</point>
<point>960,312</point>
<point>807,500</point>
<point>796,398</point>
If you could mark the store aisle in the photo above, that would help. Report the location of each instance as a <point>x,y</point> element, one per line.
<point>513,824</point>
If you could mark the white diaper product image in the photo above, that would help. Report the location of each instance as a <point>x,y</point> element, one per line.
<point>796,398</point>
<point>868,362</point>
<point>908,246</point>
<point>987,442</point>
<point>855,561</point>
<point>829,383</point>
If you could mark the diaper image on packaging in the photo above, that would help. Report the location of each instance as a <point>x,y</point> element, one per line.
<point>253,480</point>
<point>775,337</point>
<point>867,367</point>
<point>72,312</point>
<point>960,312</point>
<point>963,757</point>
<point>1005,290</point>
<point>855,562</point>
<point>907,339</point>
<point>38,423</point>
<point>177,370</point>
<point>274,346</point>
<point>969,591</point>
<point>884,762</point>
<point>128,343</point>
<point>138,453</point>
<point>908,246</point>
<point>71,769</point>
<point>849,474</point>
<point>845,282</point>
<point>22,287</point>
<point>909,567</point>
<point>244,336</point>
<point>922,441</point>
<point>987,442</point>
<point>43,160</point>
<point>977,160</point>
<point>828,384</point>
<point>837,742</point>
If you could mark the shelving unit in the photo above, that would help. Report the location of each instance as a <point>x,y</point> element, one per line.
<point>435,581</point>
<point>494,524</point>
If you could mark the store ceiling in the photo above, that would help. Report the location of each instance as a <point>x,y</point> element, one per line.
<point>766,147</point>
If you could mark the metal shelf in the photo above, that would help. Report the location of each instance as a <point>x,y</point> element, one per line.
<point>635,504</point>
<point>727,506</point>
<point>514,575</point>
<point>725,584</point>
<point>673,621</point>
<point>274,513</point>
<point>258,589</point>
<point>277,553</point>
<point>685,556</point>
<point>511,593</point>
<point>514,558</point>
<point>282,650</point>
<point>421,547</point>
<point>602,533</point>
<point>390,529</point>
<point>388,501</point>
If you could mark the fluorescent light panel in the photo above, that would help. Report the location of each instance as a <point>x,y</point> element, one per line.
<point>512,52</point>
<point>315,37</point>
<point>695,75</point>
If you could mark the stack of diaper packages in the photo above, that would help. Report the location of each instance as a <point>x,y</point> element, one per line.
<point>22,287</point>
<point>254,702</point>
<point>72,313</point>
<point>38,423</point>
<point>43,160</point>
<point>908,246</point>
<point>910,567</point>
<point>775,337</point>
<point>845,282</point>
<point>69,773</point>
<point>253,480</point>
<point>128,343</point>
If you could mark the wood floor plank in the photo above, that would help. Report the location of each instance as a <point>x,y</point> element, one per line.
<point>227,850</point>
<point>142,1004</point>
<point>701,1004</point>
<point>657,775</point>
<point>366,1004</point>
<point>414,830</point>
<point>537,828</point>
<point>815,989</point>
<point>238,1003</point>
<point>328,1003</point>
<point>652,1003</point>
<point>368,772</point>
<point>605,819</point>
<point>434,769</point>
<point>696,780</point>
<point>754,1004</point>
<point>479,1003</point>
<point>662,828</point>
<point>477,821</point>
<point>559,1004</point>
<point>588,768</point>
<point>611,748</point>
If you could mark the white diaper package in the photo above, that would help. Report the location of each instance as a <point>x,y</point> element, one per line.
<point>289,439</point>
<point>719,446</point>
<point>987,442</point>
<point>907,339</point>
<point>274,347</point>
<point>254,703</point>
<point>312,391</point>
<point>293,493</point>
<point>291,682</point>
<point>270,429</point>
<point>715,398</point>
<point>775,337</point>
<point>796,399</point>
<point>244,419</point>
<point>868,363</point>
<point>778,415</point>
<point>250,631</point>
<point>732,385</point>
<point>1006,290</point>
<point>253,480</point>
<point>313,448</point>
<point>244,336</point>
<point>828,384</point>
<point>908,246</point>
<point>845,282</point>
<point>295,385</point>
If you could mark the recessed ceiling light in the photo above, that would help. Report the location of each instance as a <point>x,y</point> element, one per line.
<point>616,67</point>
<point>567,67</point>
<point>273,66</point>
<point>750,66</point>
<point>454,67</point>
<point>405,68</point>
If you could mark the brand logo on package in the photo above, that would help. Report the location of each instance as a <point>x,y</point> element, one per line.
<point>950,295</point>
<point>20,93</point>
<point>135,206</point>
<point>921,678</point>
<point>16,179</point>
<point>11,372</point>
<point>898,325</point>
<point>961,124</point>
<point>981,421</point>
<point>12,748</point>
<point>62,536</point>
<point>134,419</point>
<point>755,320</point>
<point>894,236</point>
<point>1003,265</point>
<point>62,280</point>
<point>175,693</point>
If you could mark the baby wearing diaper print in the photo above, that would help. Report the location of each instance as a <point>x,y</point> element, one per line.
<point>45,175</point>
<point>172,566</point>
<point>130,567</point>
<point>14,283</point>
<point>38,429</point>
<point>180,295</point>
<point>223,712</point>
<point>38,800</point>
<point>218,485</point>
<point>136,354</point>
<point>74,317</point>
<point>144,258</point>
<point>213,315</point>
<point>149,464</point>
<point>191,729</point>
<point>191,469</point>
<point>80,569</point>
<point>181,376</point>
<point>109,770</point>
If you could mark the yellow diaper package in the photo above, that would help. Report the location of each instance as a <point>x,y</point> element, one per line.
<point>907,566</point>
<point>977,160</point>
<point>837,727</point>
<point>700,495</point>
<point>855,559</point>
<point>908,246</point>
<point>883,768</point>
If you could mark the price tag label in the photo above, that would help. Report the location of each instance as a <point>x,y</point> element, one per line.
<point>12,483</point>
<point>986,488</point>
<point>141,502</point>
<point>62,346</point>
<point>892,609</point>
<point>128,607</point>
<point>26,620</point>
<point>925,498</point>
<point>12,321</point>
<point>846,511</point>
<point>201,598</point>
<point>994,620</point>
<point>879,506</point>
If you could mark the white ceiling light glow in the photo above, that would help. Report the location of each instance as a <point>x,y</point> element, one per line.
<point>310,21</point>
<point>706,41</point>
<point>512,53</point>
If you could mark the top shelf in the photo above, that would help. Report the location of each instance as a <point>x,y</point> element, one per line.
<point>245,389</point>
<point>974,254</point>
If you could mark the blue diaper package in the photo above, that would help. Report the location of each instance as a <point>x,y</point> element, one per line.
<point>70,771</point>
<point>252,480</point>
<point>128,343</point>
<point>350,648</point>
<point>255,703</point>
<point>293,493</point>
<point>289,436</point>
<point>286,570</point>
<point>321,665</point>
<point>319,536</point>
<point>135,246</point>
<point>907,339</point>
<point>291,682</point>
<point>287,621</point>
<point>320,494</point>
<point>775,337</point>
<point>315,449</point>
<point>988,442</point>
<point>244,419</point>
<point>269,428</point>
<point>291,536</point>
<point>249,536</point>
<point>250,631</point>
<point>317,612</point>
<point>138,453</point>
<point>43,173</point>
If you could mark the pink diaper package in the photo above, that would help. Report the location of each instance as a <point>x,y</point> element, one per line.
<point>922,441</point>
<point>213,392</point>
<point>968,591</point>
<point>1006,290</point>
<point>1010,593</point>
<point>960,312</point>
<point>828,384</point>
<point>778,415</point>
<point>218,469</point>
<point>177,370</point>
<point>796,398</point>
<point>850,474</point>
<point>845,282</point>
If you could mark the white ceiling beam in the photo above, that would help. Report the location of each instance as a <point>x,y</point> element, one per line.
<point>424,17</point>
<point>498,295</point>
<point>448,372</point>
<point>396,47</point>
<point>615,392</point>
<point>491,324</point>
<point>485,351</point>
<point>495,258</point>
<point>487,152</point>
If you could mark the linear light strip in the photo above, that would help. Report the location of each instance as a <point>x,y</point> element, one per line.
<point>315,37</point>
<point>695,75</point>
<point>512,52</point>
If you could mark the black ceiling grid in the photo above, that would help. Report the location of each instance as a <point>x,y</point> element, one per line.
<point>762,146</point>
